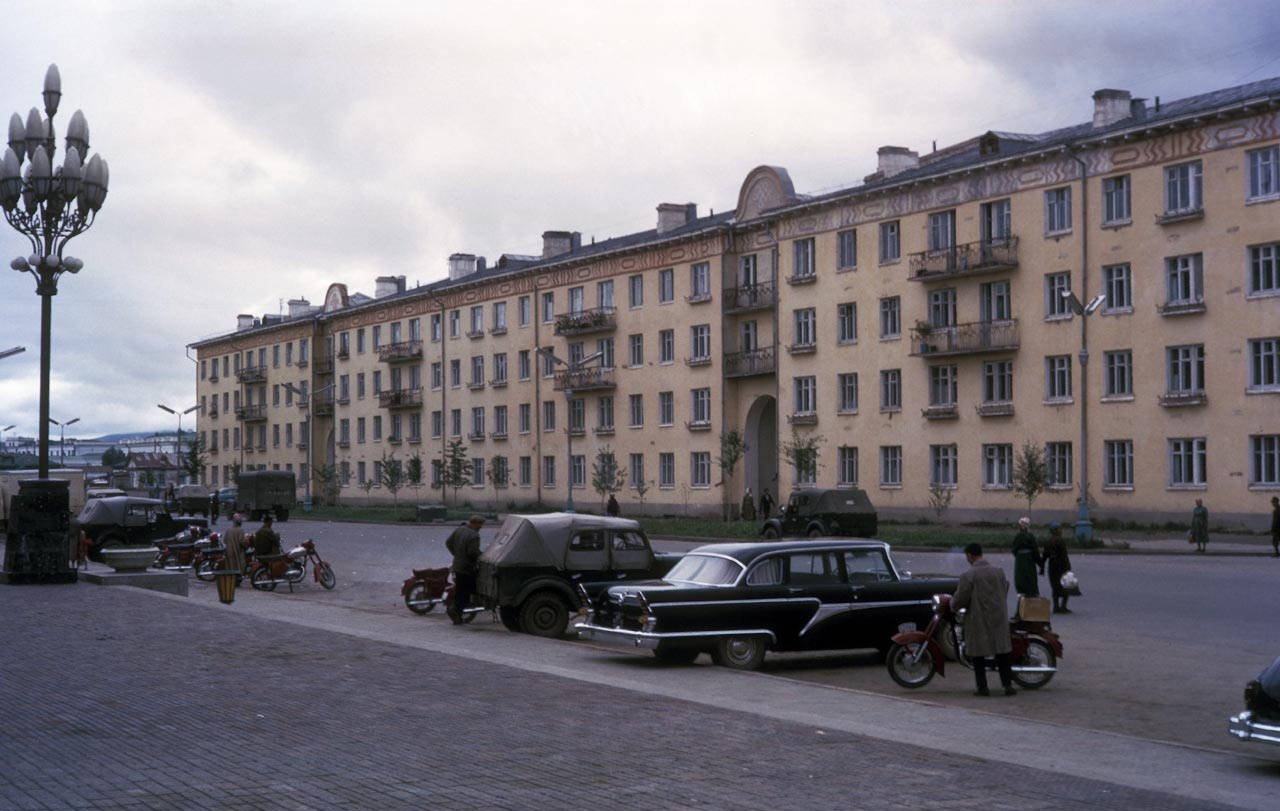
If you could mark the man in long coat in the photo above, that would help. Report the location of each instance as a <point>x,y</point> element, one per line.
<point>464,545</point>
<point>984,591</point>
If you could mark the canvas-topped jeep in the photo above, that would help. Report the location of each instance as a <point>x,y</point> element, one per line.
<point>815,513</point>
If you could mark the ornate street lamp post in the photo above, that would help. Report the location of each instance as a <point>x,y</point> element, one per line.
<point>62,440</point>
<point>177,443</point>
<point>49,206</point>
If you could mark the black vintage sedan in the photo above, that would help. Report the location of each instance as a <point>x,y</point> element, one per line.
<point>736,601</point>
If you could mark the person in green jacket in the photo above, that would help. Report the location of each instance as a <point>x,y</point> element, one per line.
<point>1026,560</point>
<point>1200,526</point>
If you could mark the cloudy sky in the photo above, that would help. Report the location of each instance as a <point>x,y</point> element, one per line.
<point>260,149</point>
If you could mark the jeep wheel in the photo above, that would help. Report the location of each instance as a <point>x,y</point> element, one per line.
<point>544,614</point>
<point>815,532</point>
<point>510,617</point>
<point>770,533</point>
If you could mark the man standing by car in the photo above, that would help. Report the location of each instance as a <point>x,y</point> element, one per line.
<point>464,545</point>
<point>984,591</point>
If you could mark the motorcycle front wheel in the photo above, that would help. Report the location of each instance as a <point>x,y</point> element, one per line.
<point>262,580</point>
<point>205,570</point>
<point>1038,654</point>
<point>327,578</point>
<point>907,670</point>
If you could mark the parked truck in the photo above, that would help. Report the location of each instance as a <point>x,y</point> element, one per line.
<point>266,491</point>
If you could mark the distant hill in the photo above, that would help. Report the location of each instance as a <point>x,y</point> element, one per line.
<point>132,435</point>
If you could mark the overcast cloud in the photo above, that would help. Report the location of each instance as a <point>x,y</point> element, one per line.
<point>261,150</point>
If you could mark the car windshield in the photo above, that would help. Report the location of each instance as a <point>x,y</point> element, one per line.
<point>705,570</point>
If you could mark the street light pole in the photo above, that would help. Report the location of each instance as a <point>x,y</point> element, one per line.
<point>5,353</point>
<point>1084,526</point>
<point>62,440</point>
<point>47,216</point>
<point>177,442</point>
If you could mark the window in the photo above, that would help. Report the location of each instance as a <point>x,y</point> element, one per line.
<point>635,468</point>
<point>666,470</point>
<point>1187,462</point>
<point>1186,369</point>
<point>1058,464</point>
<point>455,421</point>
<point>942,230</point>
<point>377,428</point>
<point>995,301</point>
<point>437,376</point>
<point>700,341</point>
<point>942,307</point>
<point>1117,457</point>
<point>477,371</point>
<point>1183,188</point>
<point>700,281</point>
<point>847,393</point>
<point>997,381</point>
<point>804,395</point>
<point>548,415</point>
<point>577,471</point>
<point>1116,200</point>
<point>997,221</point>
<point>890,465</point>
<point>526,471</point>
<point>802,259</point>
<point>666,408</point>
<point>549,471</point>
<point>806,327</point>
<point>1057,210</point>
<point>359,386</point>
<point>548,307</point>
<point>1057,378</point>
<point>847,323</point>
<point>635,351</point>
<point>604,347</point>
<point>635,290</point>
<point>1117,374</point>
<point>577,415</point>
<point>890,389</point>
<point>942,385</point>
<point>549,363</point>
<point>455,373</point>
<point>635,407</point>
<point>604,413</point>
<point>701,400</point>
<point>360,472</point>
<point>1056,304</point>
<point>846,466</point>
<point>435,327</point>
<point>499,316</point>
<point>748,272</point>
<point>1117,283</point>
<point>477,421</point>
<point>360,341</point>
<point>1264,364</point>
<point>1264,460</point>
<point>455,323</point>
<point>500,420</point>
<point>1264,269</point>
<point>749,337</point>
<point>360,423</point>
<point>523,364</point>
<point>942,466</point>
<point>890,317</point>
<point>890,242</point>
<point>437,424</point>
<point>523,310</point>
<point>576,301</point>
<point>847,242</point>
<point>275,356</point>
<point>1184,279</point>
<point>700,469</point>
<point>997,466</point>
<point>525,418</point>
<point>666,346</point>
<point>666,286</point>
<point>395,377</point>
<point>500,367</point>
<point>415,334</point>
<point>1264,172</point>
<point>604,294</point>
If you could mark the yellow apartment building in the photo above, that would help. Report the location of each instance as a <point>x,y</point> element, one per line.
<point>1108,293</point>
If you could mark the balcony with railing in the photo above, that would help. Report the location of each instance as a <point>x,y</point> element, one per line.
<point>971,259</point>
<point>748,364</point>
<point>976,338</point>
<point>941,411</point>
<point>251,413</point>
<point>749,298</point>
<point>1001,408</point>
<point>400,398</point>
<point>324,365</point>
<point>1183,399</point>
<point>322,405</point>
<point>601,319</point>
<point>585,380</point>
<point>252,374</point>
<point>803,418</point>
<point>400,352</point>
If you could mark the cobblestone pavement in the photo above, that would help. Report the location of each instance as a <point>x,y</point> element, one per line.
<point>113,698</point>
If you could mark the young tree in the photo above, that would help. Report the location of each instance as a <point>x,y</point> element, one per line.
<point>193,459</point>
<point>940,499</point>
<point>801,451</point>
<point>498,474</point>
<point>641,487</point>
<point>1030,476</point>
<point>413,472</point>
<point>606,477</point>
<point>732,448</point>
<point>457,467</point>
<point>114,457</point>
<point>367,486</point>
<point>392,476</point>
<point>327,485</point>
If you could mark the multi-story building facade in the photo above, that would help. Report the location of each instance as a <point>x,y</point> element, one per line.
<point>1108,293</point>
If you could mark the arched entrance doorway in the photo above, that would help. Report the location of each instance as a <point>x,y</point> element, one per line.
<point>761,436</point>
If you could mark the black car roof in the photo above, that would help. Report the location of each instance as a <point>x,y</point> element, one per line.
<point>745,553</point>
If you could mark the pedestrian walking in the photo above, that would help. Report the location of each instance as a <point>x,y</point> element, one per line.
<point>748,506</point>
<point>984,591</point>
<point>766,504</point>
<point>234,541</point>
<point>464,545</point>
<point>1200,526</point>
<point>1275,525</point>
<point>213,508</point>
<point>612,506</point>
<point>1058,562</point>
<point>1026,560</point>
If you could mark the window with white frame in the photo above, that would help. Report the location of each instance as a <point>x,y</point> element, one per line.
<point>666,408</point>
<point>846,466</point>
<point>499,315</point>
<point>890,465</point>
<point>666,346</point>
<point>524,364</point>
<point>666,285</point>
<point>942,385</point>
<point>995,301</point>
<point>1116,205</point>
<point>604,294</point>
<point>477,320</point>
<point>1184,279</point>
<point>847,323</point>
<point>890,242</point>
<point>1057,210</point>
<point>1183,188</point>
<point>806,333</point>
<point>997,466</point>
<point>1117,373</point>
<point>524,310</point>
<point>943,466</point>
<point>804,395</point>
<point>1187,462</point>
<point>524,417</point>
<point>1264,172</point>
<point>477,421</point>
<point>549,471</point>
<point>635,469</point>
<point>1117,459</point>
<point>1264,269</point>
<point>477,472</point>
<point>577,301</point>
<point>635,350</point>
<point>548,415</point>
<point>847,392</point>
<point>942,307</point>
<point>700,341</point>
<point>1117,283</point>
<point>700,280</point>
<point>700,469</point>
<point>748,271</point>
<point>1056,304</point>
<point>635,291</point>
<point>1057,377</point>
<point>996,219</point>
<point>890,317</point>
<point>525,466</point>
<point>942,230</point>
<point>635,406</point>
<point>437,424</point>
<point>890,389</point>
<point>477,370</point>
<point>500,367</point>
<point>1264,460</point>
<point>500,420</point>
<point>802,256</point>
<point>577,415</point>
<point>455,421</point>
<point>577,471</point>
<point>604,347</point>
<point>701,402</point>
<point>847,242</point>
<point>1058,464</point>
<point>548,307</point>
<point>1264,364</point>
<point>666,470</point>
<point>1186,369</point>
<point>997,381</point>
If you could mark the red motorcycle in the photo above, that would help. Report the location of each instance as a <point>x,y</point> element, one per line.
<point>291,568</point>
<point>430,586</point>
<point>916,655</point>
<point>182,551</point>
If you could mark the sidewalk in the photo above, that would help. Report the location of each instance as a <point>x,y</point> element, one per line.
<point>124,698</point>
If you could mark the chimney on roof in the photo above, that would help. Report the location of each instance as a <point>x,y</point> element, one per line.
<point>298,307</point>
<point>244,322</point>
<point>461,265</point>
<point>555,243</point>
<point>676,215</point>
<point>894,160</point>
<point>388,286</point>
<point>1110,106</point>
